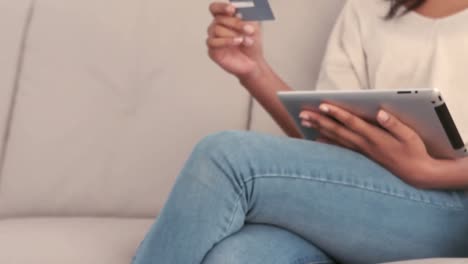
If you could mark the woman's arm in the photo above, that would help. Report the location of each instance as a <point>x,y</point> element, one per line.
<point>343,67</point>
<point>264,86</point>
<point>237,47</point>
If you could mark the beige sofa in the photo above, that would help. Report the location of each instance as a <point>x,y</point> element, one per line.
<point>101,102</point>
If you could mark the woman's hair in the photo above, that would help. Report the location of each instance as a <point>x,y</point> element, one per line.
<point>396,5</point>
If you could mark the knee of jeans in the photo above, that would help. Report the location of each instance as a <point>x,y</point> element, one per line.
<point>264,244</point>
<point>221,143</point>
<point>235,253</point>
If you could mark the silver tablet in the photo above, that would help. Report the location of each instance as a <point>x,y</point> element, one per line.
<point>422,109</point>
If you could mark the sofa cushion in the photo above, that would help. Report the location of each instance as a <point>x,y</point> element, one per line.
<point>434,261</point>
<point>113,96</point>
<point>71,240</point>
<point>14,17</point>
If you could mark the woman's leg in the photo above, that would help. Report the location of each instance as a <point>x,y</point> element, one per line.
<point>345,204</point>
<point>264,244</point>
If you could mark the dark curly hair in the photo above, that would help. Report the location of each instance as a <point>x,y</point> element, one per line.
<point>397,5</point>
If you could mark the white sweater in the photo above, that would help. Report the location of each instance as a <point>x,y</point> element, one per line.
<point>367,52</point>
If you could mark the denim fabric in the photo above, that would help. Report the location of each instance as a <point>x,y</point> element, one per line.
<point>337,201</point>
<point>265,244</point>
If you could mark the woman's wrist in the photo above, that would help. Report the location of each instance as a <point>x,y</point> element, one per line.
<point>445,174</point>
<point>429,174</point>
<point>261,72</point>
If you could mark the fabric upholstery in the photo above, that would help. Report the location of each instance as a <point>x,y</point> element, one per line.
<point>70,240</point>
<point>13,27</point>
<point>434,261</point>
<point>113,96</point>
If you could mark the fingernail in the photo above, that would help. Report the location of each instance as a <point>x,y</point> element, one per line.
<point>248,41</point>
<point>230,9</point>
<point>249,29</point>
<point>239,15</point>
<point>304,116</point>
<point>324,108</point>
<point>238,40</point>
<point>383,116</point>
<point>306,124</point>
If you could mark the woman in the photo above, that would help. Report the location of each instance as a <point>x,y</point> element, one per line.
<point>370,195</point>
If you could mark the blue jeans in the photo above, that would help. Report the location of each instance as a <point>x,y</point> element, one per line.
<point>249,198</point>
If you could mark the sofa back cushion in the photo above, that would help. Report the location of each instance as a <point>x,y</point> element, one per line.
<point>13,27</point>
<point>295,45</point>
<point>112,97</point>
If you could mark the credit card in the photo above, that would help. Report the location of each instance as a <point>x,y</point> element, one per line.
<point>254,10</point>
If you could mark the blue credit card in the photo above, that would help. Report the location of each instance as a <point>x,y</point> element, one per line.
<point>254,10</point>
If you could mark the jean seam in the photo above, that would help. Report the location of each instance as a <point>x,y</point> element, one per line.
<point>313,262</point>
<point>310,260</point>
<point>233,215</point>
<point>308,178</point>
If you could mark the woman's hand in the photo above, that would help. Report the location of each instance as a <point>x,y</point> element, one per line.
<point>394,145</point>
<point>233,44</point>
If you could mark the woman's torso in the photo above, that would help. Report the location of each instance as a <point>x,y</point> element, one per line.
<point>414,51</point>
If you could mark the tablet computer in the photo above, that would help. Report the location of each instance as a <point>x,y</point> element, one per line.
<point>424,110</point>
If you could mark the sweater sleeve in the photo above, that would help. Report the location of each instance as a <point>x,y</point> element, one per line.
<point>344,65</point>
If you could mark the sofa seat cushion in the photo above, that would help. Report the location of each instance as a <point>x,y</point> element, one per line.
<point>434,261</point>
<point>71,240</point>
